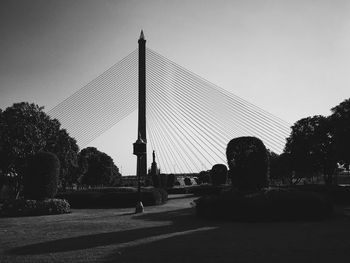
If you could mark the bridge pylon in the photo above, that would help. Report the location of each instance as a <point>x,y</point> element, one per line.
<point>141,133</point>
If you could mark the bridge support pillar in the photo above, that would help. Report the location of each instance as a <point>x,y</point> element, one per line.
<point>142,162</point>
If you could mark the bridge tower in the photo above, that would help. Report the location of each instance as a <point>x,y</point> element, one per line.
<point>142,162</point>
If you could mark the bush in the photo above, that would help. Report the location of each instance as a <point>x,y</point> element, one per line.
<point>336,193</point>
<point>218,174</point>
<point>187,181</point>
<point>204,177</point>
<point>198,190</point>
<point>248,163</point>
<point>171,180</point>
<point>179,190</point>
<point>114,199</point>
<point>41,177</point>
<point>22,207</point>
<point>265,205</point>
<point>206,189</point>
<point>122,189</point>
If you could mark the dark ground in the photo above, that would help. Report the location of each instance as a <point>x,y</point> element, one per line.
<point>170,233</point>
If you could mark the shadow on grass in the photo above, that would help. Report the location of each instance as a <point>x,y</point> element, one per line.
<point>287,242</point>
<point>182,220</point>
<point>189,239</point>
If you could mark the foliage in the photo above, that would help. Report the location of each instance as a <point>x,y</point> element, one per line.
<point>204,177</point>
<point>279,166</point>
<point>120,189</point>
<point>22,207</point>
<point>163,180</point>
<point>171,180</point>
<point>156,180</point>
<point>310,147</point>
<point>218,174</point>
<point>340,121</point>
<point>266,205</point>
<point>66,149</point>
<point>337,194</point>
<point>25,129</point>
<point>97,168</point>
<point>248,163</point>
<point>180,190</point>
<point>187,181</point>
<point>207,189</point>
<point>41,177</point>
<point>160,180</point>
<point>114,198</point>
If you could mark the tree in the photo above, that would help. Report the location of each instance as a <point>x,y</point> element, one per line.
<point>340,122</point>
<point>248,163</point>
<point>41,179</point>
<point>310,147</point>
<point>66,149</point>
<point>279,167</point>
<point>187,181</point>
<point>25,129</point>
<point>98,168</point>
<point>218,174</point>
<point>204,177</point>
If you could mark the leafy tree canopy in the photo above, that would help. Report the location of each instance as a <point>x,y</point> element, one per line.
<point>25,129</point>
<point>310,147</point>
<point>97,168</point>
<point>340,121</point>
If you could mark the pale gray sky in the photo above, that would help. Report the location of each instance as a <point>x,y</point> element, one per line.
<point>291,58</point>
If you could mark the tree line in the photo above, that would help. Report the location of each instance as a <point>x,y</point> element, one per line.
<point>317,146</point>
<point>26,130</point>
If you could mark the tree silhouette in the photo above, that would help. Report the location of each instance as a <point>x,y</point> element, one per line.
<point>311,148</point>
<point>204,177</point>
<point>97,168</point>
<point>218,174</point>
<point>25,129</point>
<point>41,179</point>
<point>248,163</point>
<point>280,167</point>
<point>66,149</point>
<point>340,120</point>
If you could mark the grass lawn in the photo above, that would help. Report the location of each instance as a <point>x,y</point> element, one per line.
<point>169,233</point>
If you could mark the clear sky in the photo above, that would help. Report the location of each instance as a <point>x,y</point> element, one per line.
<point>289,57</point>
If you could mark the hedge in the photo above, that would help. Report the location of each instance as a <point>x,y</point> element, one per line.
<point>218,174</point>
<point>336,193</point>
<point>114,198</point>
<point>25,207</point>
<point>207,189</point>
<point>248,163</point>
<point>265,205</point>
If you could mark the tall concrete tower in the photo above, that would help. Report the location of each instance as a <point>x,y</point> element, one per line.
<point>142,162</point>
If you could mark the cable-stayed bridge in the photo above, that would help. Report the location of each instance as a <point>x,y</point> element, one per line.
<point>189,120</point>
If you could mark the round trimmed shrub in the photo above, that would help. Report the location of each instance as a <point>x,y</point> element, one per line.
<point>247,159</point>
<point>218,174</point>
<point>204,177</point>
<point>41,178</point>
